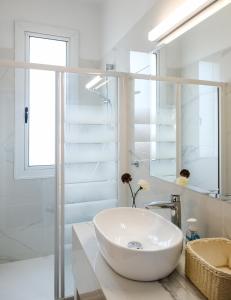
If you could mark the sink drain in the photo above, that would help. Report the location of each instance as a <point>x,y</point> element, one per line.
<point>135,245</point>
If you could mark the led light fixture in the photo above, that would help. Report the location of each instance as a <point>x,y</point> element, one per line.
<point>185,18</point>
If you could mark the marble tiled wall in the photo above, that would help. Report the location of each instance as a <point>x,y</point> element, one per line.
<point>26,206</point>
<point>213,215</point>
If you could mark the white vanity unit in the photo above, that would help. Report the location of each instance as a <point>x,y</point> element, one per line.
<point>94,279</point>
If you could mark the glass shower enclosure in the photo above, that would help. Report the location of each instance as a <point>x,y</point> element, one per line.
<point>90,154</point>
<point>27,204</point>
<point>37,209</point>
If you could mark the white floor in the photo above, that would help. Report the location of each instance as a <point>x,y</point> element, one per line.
<point>31,279</point>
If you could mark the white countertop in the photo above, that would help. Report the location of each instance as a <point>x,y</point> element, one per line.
<point>92,274</point>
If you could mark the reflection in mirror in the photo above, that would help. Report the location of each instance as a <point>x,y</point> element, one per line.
<point>163,132</point>
<point>199,135</point>
<point>207,43</point>
<point>204,139</point>
<point>184,134</point>
<point>183,179</point>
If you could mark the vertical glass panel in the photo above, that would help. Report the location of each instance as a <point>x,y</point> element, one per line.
<point>26,212</point>
<point>90,154</point>
<point>200,135</point>
<point>41,135</point>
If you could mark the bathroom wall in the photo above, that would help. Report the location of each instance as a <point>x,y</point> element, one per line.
<point>136,38</point>
<point>27,206</point>
<point>128,13</point>
<point>82,16</point>
<point>213,214</point>
<point>180,60</point>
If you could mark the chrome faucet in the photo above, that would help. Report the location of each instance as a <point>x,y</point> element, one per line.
<point>174,205</point>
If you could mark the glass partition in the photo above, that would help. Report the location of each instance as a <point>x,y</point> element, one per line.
<point>90,153</point>
<point>27,204</point>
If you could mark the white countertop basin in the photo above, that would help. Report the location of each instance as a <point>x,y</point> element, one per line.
<point>137,243</point>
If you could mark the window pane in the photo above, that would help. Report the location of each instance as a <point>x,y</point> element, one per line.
<point>42,100</point>
<point>42,118</point>
<point>47,51</point>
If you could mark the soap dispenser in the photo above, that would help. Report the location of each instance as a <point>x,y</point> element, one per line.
<point>192,233</point>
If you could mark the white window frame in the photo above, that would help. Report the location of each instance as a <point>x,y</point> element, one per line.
<point>23,30</point>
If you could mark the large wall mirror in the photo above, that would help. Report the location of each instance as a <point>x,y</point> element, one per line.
<point>187,131</point>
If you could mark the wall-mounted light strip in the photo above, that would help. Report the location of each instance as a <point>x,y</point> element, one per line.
<point>183,20</point>
<point>200,17</point>
<point>93,82</point>
<point>176,18</point>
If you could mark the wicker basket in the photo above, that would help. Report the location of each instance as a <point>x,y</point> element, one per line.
<point>208,266</point>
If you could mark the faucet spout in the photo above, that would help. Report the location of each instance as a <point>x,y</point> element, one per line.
<point>175,206</point>
<point>160,204</point>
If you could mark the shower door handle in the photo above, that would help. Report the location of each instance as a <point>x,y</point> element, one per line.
<point>26,115</point>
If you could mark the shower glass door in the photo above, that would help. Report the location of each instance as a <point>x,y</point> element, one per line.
<point>90,154</point>
<point>27,200</point>
<point>30,206</point>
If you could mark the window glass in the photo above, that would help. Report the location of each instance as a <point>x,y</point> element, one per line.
<point>41,133</point>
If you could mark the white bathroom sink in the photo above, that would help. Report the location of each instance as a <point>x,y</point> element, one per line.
<point>137,243</point>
